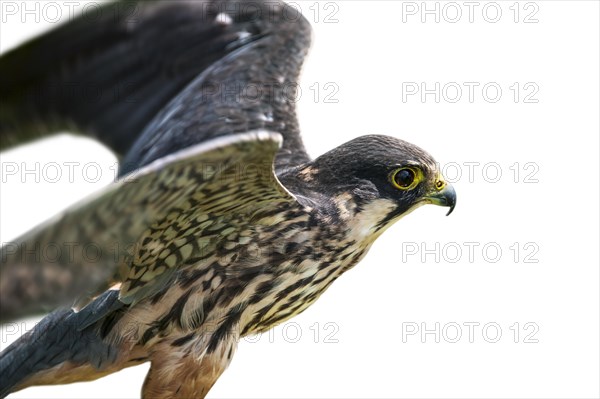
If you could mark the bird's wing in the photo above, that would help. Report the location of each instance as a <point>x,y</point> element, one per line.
<point>148,78</point>
<point>183,73</point>
<point>140,215</point>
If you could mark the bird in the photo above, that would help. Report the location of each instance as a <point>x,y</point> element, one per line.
<point>220,225</point>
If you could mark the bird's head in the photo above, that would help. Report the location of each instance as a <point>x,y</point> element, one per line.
<point>378,179</point>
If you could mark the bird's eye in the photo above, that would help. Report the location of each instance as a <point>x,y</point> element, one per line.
<point>405,178</point>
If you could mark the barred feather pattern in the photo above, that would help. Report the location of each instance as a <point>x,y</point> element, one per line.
<point>230,254</point>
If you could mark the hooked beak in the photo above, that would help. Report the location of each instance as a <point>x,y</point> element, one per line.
<point>444,197</point>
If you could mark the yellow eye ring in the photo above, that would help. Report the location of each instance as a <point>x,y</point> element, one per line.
<point>406,178</point>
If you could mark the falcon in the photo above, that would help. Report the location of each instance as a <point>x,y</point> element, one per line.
<point>220,225</point>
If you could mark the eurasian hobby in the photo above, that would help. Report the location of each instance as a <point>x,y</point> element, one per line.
<point>221,224</point>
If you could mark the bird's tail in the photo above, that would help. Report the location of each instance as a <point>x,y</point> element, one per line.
<point>55,345</point>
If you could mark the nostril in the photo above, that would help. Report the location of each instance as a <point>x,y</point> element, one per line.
<point>439,184</point>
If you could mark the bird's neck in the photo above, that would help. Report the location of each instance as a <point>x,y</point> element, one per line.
<point>361,221</point>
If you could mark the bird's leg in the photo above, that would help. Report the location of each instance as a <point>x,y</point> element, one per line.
<point>187,366</point>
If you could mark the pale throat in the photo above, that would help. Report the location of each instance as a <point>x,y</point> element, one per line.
<point>363,226</point>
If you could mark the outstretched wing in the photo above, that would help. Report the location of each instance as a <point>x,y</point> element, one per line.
<point>141,215</point>
<point>120,74</point>
<point>183,73</point>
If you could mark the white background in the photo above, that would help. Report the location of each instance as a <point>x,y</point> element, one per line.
<point>370,53</point>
